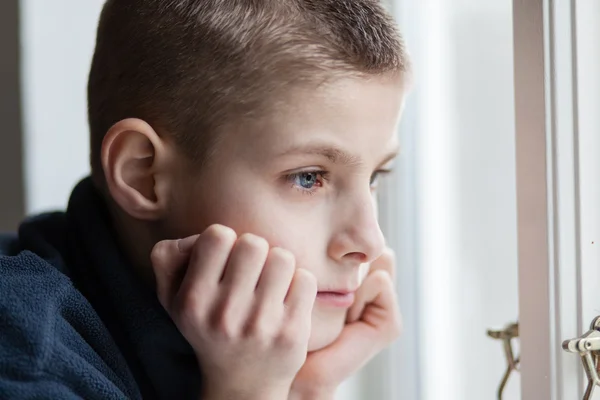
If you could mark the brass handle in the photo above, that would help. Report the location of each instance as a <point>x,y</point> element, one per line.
<point>506,335</point>
<point>588,348</point>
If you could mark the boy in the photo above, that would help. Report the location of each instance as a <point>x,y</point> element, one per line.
<point>215,252</point>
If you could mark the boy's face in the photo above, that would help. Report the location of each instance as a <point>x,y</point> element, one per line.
<point>304,178</point>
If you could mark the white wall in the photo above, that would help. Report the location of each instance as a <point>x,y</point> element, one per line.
<point>57,44</point>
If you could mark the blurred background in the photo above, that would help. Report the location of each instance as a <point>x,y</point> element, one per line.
<point>449,211</point>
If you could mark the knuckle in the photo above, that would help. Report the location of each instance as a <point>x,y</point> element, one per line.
<point>219,235</point>
<point>283,256</point>
<point>160,252</point>
<point>386,261</point>
<point>383,278</point>
<point>254,243</point>
<point>283,260</point>
<point>308,280</point>
<point>389,256</point>
<point>224,326</point>
<point>261,331</point>
<point>291,338</point>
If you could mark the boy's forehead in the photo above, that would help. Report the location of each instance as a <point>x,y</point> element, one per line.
<point>346,92</point>
<point>351,111</point>
<point>345,122</point>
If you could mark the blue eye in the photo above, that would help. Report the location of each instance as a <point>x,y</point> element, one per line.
<point>306,180</point>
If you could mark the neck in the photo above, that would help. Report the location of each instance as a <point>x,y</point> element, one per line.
<point>135,239</point>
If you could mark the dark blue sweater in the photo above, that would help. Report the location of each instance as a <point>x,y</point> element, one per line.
<point>76,322</point>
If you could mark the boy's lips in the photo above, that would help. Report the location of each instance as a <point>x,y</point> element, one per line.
<point>337,299</point>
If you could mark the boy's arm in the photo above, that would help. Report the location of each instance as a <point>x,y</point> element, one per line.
<point>43,356</point>
<point>43,387</point>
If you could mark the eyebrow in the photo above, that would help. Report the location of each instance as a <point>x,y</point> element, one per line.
<point>334,154</point>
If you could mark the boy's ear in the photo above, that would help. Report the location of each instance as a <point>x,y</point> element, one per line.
<point>135,164</point>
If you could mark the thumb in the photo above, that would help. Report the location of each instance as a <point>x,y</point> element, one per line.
<point>169,259</point>
<point>385,262</point>
<point>376,323</point>
<point>375,302</point>
<point>357,344</point>
<point>381,275</point>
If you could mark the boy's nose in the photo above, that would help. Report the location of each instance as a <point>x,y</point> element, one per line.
<point>359,237</point>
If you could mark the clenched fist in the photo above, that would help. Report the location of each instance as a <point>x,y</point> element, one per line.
<point>373,322</point>
<point>244,308</point>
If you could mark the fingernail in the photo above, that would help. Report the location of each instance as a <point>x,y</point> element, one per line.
<point>185,245</point>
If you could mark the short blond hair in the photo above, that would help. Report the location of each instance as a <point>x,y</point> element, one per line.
<point>188,67</point>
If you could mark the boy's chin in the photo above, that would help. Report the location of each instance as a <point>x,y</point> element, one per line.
<point>324,334</point>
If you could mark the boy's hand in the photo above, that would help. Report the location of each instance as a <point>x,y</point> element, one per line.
<point>373,322</point>
<point>243,307</point>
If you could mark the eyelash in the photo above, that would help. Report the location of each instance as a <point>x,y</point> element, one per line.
<point>323,176</point>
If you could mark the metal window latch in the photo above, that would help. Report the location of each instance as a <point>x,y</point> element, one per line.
<point>588,348</point>
<point>506,335</point>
